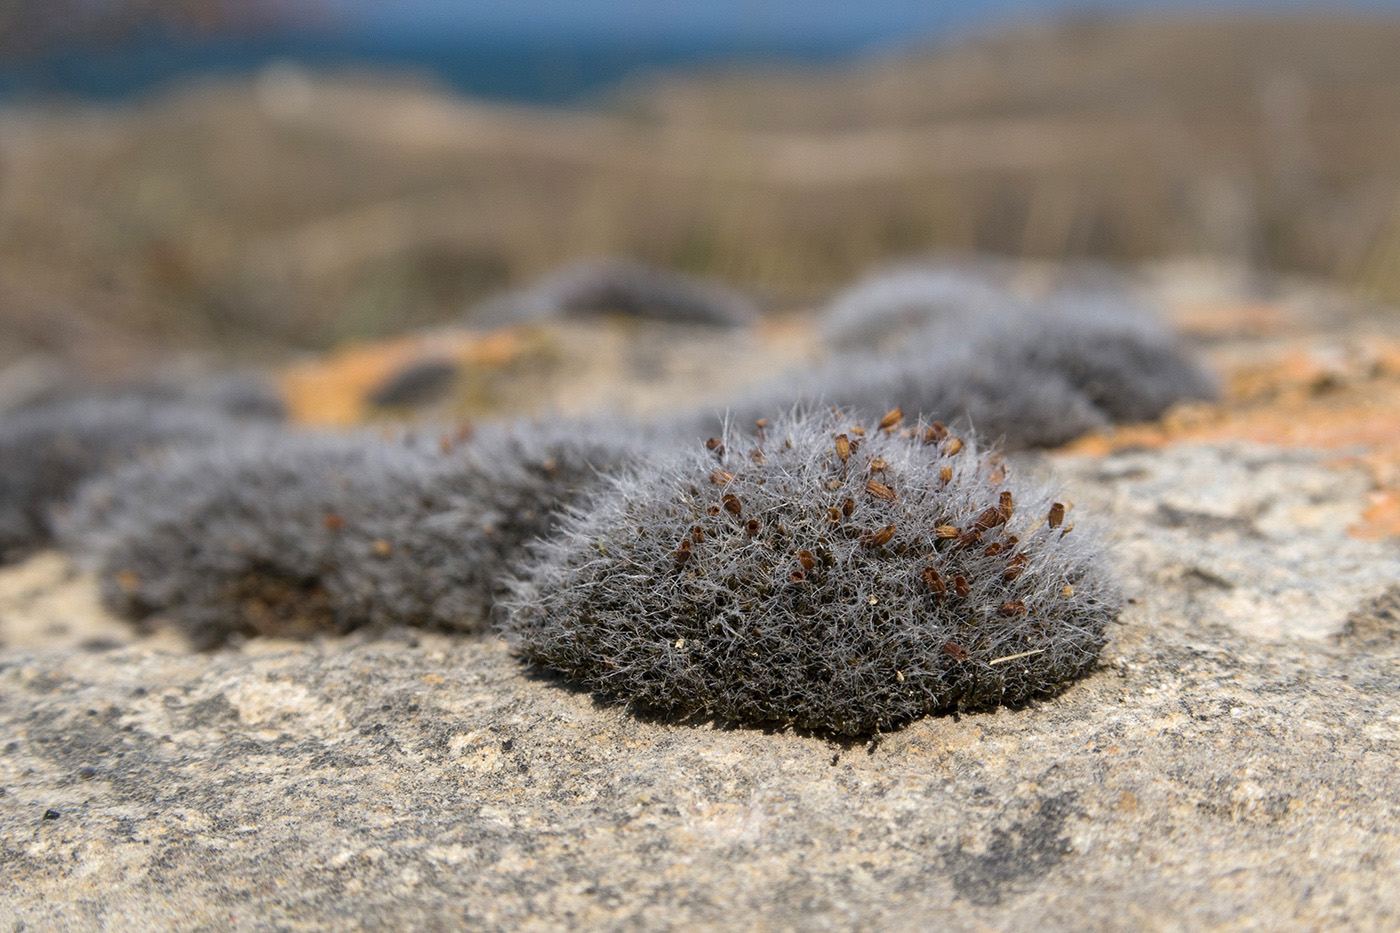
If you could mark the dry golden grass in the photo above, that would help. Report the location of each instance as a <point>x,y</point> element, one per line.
<point>281,212</point>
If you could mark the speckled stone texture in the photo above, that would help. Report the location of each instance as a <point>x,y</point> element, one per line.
<point>1231,764</point>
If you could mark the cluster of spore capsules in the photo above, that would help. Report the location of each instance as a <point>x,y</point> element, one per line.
<point>818,574</point>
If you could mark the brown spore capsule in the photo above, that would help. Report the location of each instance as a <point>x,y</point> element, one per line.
<point>879,537</point>
<point>990,518</point>
<point>892,419</point>
<point>879,490</point>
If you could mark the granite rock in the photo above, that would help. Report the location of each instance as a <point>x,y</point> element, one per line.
<point>1231,764</point>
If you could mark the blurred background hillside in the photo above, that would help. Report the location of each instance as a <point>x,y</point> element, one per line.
<point>252,177</point>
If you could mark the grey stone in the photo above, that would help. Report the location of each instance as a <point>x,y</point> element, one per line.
<point>1231,764</point>
<point>1249,538</point>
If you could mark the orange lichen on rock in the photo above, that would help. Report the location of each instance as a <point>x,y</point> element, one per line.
<point>1381,518</point>
<point>1231,319</point>
<point>1347,400</point>
<point>332,390</point>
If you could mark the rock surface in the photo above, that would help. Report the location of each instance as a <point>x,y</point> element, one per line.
<point>1232,763</point>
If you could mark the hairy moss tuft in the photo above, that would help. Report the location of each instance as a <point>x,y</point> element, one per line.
<point>619,286</point>
<point>292,534</point>
<point>823,573</point>
<point>47,453</point>
<point>1075,365</point>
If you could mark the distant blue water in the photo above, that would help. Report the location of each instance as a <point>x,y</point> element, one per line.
<point>551,70</point>
<point>560,51</point>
